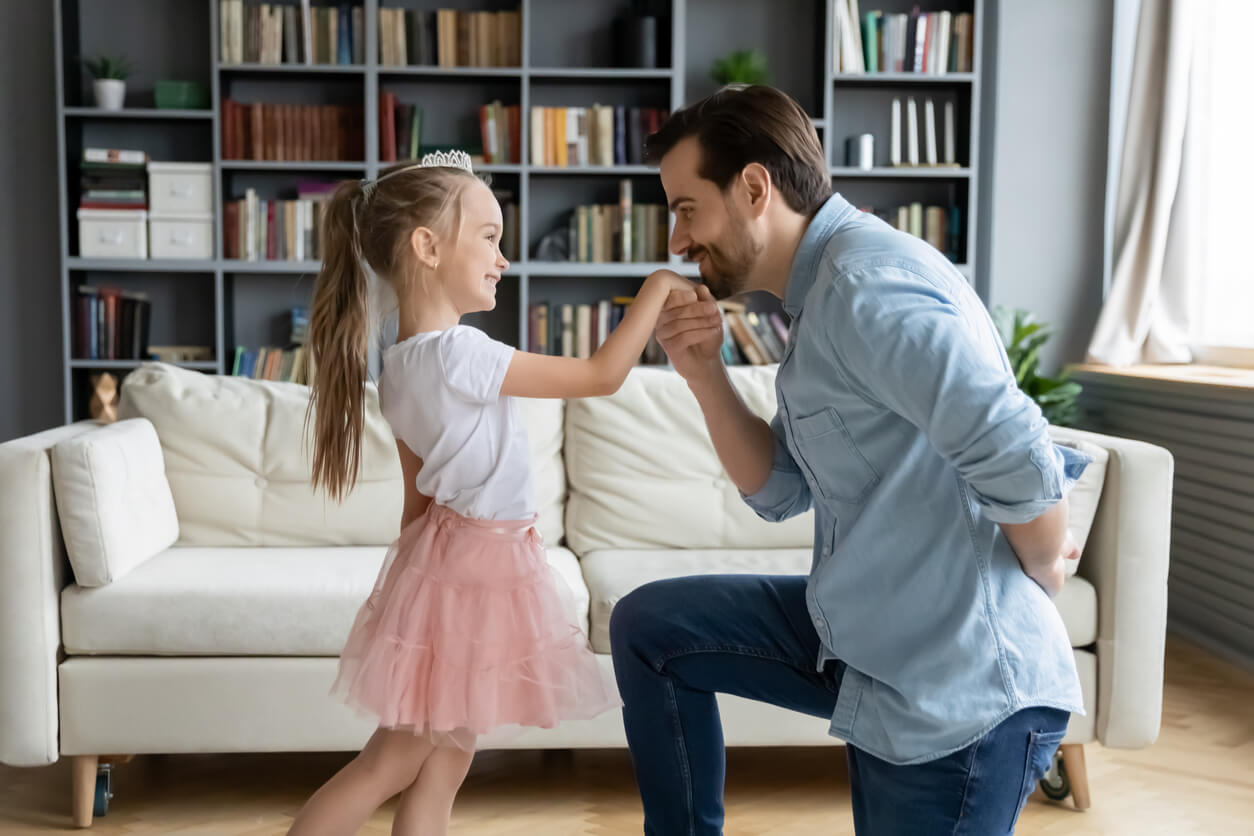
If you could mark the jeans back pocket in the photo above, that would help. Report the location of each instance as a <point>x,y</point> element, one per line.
<point>1040,755</point>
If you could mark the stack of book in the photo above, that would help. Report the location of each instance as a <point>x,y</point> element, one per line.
<point>259,131</point>
<point>113,179</point>
<point>940,226</point>
<point>598,135</point>
<point>111,324</point>
<point>752,337</point>
<point>400,129</point>
<point>577,330</point>
<point>293,364</point>
<point>278,33</point>
<point>256,229</point>
<point>501,128</point>
<point>509,215</point>
<point>934,43</point>
<point>400,133</point>
<point>626,231</point>
<point>450,38</point>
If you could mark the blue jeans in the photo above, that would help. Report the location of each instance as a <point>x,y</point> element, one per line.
<point>678,642</point>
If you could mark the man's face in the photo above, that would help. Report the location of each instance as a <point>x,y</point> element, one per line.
<point>711,227</point>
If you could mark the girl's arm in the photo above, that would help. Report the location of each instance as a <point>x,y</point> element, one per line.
<point>542,376</point>
<point>415,503</point>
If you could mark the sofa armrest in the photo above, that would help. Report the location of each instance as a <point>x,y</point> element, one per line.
<point>1126,559</point>
<point>33,570</point>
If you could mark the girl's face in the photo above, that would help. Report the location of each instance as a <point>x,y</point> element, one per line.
<point>471,268</point>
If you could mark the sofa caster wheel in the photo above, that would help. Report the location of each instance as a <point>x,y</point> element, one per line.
<point>104,789</point>
<point>1056,785</point>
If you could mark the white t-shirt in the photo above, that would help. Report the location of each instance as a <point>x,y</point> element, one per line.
<point>440,391</point>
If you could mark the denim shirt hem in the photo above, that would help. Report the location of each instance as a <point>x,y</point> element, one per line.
<point>846,734</point>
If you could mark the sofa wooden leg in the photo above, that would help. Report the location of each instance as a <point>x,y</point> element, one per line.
<point>1077,772</point>
<point>84,791</point>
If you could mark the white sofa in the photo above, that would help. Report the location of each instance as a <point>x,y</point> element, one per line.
<point>227,641</point>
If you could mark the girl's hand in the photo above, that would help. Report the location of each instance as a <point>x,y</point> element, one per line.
<point>669,280</point>
<point>690,331</point>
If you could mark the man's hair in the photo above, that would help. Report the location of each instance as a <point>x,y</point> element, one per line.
<point>740,125</point>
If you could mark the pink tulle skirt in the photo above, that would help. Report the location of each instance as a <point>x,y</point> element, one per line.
<point>467,630</point>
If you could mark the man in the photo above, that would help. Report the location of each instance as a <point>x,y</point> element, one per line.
<point>925,629</point>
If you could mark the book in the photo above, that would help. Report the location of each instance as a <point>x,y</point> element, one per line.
<point>912,132</point>
<point>950,155</point>
<point>929,128</point>
<point>895,141</point>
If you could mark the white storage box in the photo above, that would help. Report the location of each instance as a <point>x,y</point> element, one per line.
<point>113,233</point>
<point>181,236</point>
<point>180,188</point>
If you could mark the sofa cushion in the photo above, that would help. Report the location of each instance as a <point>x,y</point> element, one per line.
<point>1077,604</point>
<point>544,419</point>
<point>240,473</point>
<point>1086,493</point>
<point>612,574</point>
<point>113,499</point>
<point>644,475</point>
<point>273,601</point>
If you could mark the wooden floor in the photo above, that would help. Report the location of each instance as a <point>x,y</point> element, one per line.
<point>1197,779</point>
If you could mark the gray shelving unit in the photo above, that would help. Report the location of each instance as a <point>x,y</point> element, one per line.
<point>224,302</point>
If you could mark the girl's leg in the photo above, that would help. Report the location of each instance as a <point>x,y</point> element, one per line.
<point>390,762</point>
<point>425,807</point>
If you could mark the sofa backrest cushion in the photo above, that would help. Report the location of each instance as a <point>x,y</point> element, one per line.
<point>113,499</point>
<point>644,475</point>
<point>238,462</point>
<point>1087,491</point>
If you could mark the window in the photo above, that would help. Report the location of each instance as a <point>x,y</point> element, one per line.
<point>1223,325</point>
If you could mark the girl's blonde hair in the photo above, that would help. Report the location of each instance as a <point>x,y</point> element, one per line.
<point>365,223</point>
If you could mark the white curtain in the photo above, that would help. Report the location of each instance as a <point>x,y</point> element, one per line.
<point>1157,231</point>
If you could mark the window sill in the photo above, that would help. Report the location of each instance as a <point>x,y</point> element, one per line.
<point>1221,377</point>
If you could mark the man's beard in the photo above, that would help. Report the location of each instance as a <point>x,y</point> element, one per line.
<point>727,266</point>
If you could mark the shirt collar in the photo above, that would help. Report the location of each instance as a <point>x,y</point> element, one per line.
<point>805,263</point>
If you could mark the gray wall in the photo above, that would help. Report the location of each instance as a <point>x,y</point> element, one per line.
<point>30,301</point>
<point>1045,112</point>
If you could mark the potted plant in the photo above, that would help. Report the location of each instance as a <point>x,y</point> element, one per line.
<point>744,66</point>
<point>109,80</point>
<point>1023,337</point>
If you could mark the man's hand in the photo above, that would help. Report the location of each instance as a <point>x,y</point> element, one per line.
<point>690,330</point>
<point>1043,546</point>
<point>1052,576</point>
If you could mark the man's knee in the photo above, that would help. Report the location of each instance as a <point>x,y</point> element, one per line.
<point>640,615</point>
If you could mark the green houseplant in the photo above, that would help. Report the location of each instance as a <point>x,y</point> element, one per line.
<point>109,76</point>
<point>744,66</point>
<point>1023,336</point>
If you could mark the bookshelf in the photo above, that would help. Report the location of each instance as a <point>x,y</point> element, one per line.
<point>224,302</point>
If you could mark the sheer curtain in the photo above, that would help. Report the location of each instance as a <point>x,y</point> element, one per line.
<point>1149,312</point>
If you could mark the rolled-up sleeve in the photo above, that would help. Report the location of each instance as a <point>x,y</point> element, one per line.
<point>785,493</point>
<point>901,341</point>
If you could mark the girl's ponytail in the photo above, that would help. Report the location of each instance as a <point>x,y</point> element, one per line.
<point>339,345</point>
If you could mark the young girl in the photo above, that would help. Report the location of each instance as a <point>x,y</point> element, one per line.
<point>467,628</point>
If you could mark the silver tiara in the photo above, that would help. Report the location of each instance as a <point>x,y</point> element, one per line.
<point>442,159</point>
<point>446,159</point>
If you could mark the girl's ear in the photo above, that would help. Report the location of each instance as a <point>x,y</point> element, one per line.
<point>426,247</point>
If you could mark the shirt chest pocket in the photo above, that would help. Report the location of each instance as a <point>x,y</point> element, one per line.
<point>829,458</point>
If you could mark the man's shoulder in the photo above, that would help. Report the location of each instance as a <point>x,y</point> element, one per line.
<point>868,258</point>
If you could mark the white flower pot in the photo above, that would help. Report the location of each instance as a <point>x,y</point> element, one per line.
<point>110,93</point>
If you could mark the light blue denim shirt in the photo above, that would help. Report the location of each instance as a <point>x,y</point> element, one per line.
<point>899,421</point>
